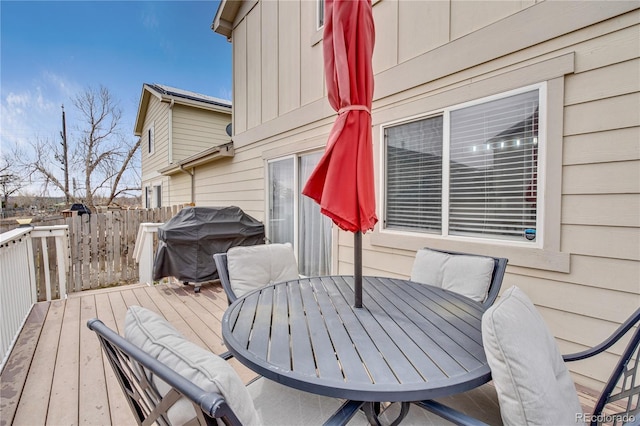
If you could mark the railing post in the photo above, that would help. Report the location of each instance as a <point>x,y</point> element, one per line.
<point>143,251</point>
<point>62,257</point>
<point>33,286</point>
<point>47,269</point>
<point>60,233</point>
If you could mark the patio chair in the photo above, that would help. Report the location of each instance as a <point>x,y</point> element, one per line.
<point>531,379</point>
<point>168,380</point>
<point>477,277</point>
<point>245,268</point>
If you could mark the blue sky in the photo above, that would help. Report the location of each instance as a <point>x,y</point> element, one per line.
<point>50,51</point>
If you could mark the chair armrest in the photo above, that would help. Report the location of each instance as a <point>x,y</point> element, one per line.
<point>449,413</point>
<point>606,344</point>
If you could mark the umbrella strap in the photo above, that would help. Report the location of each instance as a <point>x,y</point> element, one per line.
<point>354,107</point>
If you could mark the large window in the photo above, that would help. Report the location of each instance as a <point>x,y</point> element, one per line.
<point>468,171</point>
<point>296,219</point>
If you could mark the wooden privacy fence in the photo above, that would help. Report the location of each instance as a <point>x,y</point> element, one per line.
<point>101,247</point>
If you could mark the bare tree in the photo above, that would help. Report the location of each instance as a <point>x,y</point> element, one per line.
<point>101,154</point>
<point>10,180</point>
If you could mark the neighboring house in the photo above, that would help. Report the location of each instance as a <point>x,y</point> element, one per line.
<point>506,128</point>
<point>181,132</point>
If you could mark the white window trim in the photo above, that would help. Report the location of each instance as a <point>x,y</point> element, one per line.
<point>545,254</point>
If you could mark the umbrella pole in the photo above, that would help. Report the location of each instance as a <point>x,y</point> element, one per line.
<point>357,265</point>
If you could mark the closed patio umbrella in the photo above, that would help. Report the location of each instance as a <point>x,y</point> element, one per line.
<point>342,182</point>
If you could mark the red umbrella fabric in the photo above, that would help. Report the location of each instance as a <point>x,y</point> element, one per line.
<point>343,181</point>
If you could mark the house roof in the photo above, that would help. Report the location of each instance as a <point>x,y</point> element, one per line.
<point>171,94</point>
<point>225,16</point>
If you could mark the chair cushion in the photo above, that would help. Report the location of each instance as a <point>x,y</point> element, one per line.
<point>464,274</point>
<point>154,335</point>
<point>252,267</point>
<point>531,379</point>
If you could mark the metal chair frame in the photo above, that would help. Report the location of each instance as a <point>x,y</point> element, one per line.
<point>133,368</point>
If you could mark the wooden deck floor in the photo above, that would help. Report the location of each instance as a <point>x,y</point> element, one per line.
<point>56,373</point>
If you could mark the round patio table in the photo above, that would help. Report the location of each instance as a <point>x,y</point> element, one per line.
<point>409,341</point>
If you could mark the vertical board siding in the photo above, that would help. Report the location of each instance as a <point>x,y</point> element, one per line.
<point>269,64</point>
<point>254,62</point>
<point>289,56</point>
<point>240,107</point>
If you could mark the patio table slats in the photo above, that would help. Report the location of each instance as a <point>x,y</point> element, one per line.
<point>409,342</point>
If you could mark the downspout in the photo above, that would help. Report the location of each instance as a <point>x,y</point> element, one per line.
<point>171,131</point>
<point>170,147</point>
<point>191,173</point>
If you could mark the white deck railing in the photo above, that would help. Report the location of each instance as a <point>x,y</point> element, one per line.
<point>18,286</point>
<point>143,251</point>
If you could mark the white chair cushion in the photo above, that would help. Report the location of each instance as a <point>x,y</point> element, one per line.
<point>466,275</point>
<point>252,267</point>
<point>533,384</point>
<point>154,335</point>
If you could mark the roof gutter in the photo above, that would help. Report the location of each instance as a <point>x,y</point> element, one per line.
<point>204,157</point>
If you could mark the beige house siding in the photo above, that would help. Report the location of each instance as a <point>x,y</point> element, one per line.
<point>157,118</point>
<point>178,189</point>
<point>238,182</point>
<point>195,130</point>
<point>585,280</point>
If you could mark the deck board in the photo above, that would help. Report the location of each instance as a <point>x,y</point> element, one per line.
<point>65,378</point>
<point>15,371</point>
<point>34,400</point>
<point>93,406</point>
<point>57,373</point>
<point>118,407</point>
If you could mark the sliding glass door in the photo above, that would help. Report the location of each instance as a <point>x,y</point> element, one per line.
<point>295,218</point>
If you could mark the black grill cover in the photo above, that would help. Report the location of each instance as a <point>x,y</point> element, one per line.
<point>187,241</point>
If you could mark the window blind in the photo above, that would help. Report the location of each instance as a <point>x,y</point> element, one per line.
<point>414,175</point>
<point>493,168</point>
